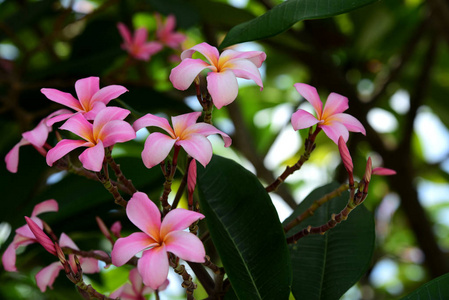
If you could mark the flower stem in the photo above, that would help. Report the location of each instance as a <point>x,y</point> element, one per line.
<point>111,189</point>
<point>118,172</point>
<point>309,146</point>
<point>169,173</point>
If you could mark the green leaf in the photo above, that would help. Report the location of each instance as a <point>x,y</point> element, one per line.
<point>284,15</point>
<point>435,289</point>
<point>245,229</point>
<point>326,266</point>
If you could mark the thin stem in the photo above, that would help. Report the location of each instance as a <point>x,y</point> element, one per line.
<point>111,189</point>
<point>118,172</point>
<point>169,173</point>
<point>309,147</point>
<point>180,191</point>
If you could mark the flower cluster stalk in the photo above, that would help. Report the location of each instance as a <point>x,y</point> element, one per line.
<point>118,172</point>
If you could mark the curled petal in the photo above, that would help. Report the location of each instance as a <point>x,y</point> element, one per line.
<point>245,69</point>
<point>85,88</point>
<point>182,122</point>
<point>302,119</point>
<point>59,118</point>
<point>38,136</point>
<point>185,245</point>
<point>9,256</point>
<point>183,75</point>
<point>66,241</point>
<point>79,126</point>
<point>350,122</point>
<point>25,230</point>
<point>92,158</point>
<point>143,213</point>
<point>311,95</point>
<point>256,57</point>
<point>109,114</point>
<point>335,130</point>
<point>179,219</point>
<point>153,267</point>
<point>222,87</point>
<point>335,104</point>
<point>125,248</point>
<point>156,149</point>
<point>62,148</point>
<point>116,131</point>
<point>206,130</point>
<point>45,206</point>
<point>12,158</point>
<point>95,109</point>
<point>209,52</point>
<point>152,120</point>
<point>62,98</point>
<point>198,147</point>
<point>108,93</point>
<point>46,276</point>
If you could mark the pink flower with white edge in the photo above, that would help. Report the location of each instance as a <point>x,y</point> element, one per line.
<point>166,33</point>
<point>157,239</point>
<point>24,236</point>
<point>135,290</point>
<point>137,45</point>
<point>36,137</point>
<point>225,68</point>
<point>185,133</point>
<point>92,99</point>
<point>331,119</point>
<point>108,128</point>
<point>47,276</point>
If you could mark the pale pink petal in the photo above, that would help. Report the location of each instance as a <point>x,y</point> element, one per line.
<point>79,126</point>
<point>45,206</point>
<point>25,231</point>
<point>62,148</point>
<point>92,158</point>
<point>222,87</point>
<point>116,132</point>
<point>148,49</point>
<point>106,115</point>
<point>46,276</point>
<point>108,93</point>
<point>9,256</point>
<point>181,122</point>
<point>243,68</point>
<point>89,265</point>
<point>38,136</point>
<point>153,267</point>
<point>185,73</point>
<point>209,52</point>
<point>310,94</point>
<point>335,104</point>
<point>143,213</point>
<point>62,98</point>
<point>120,292</point>
<point>12,158</point>
<point>135,279</point>
<point>256,57</point>
<point>179,219</point>
<point>41,237</point>
<point>125,33</point>
<point>66,241</point>
<point>383,171</point>
<point>59,118</point>
<point>345,155</point>
<point>156,149</point>
<point>174,40</point>
<point>350,122</point>
<point>116,229</point>
<point>185,245</point>
<point>152,120</point>
<point>125,248</point>
<point>302,119</point>
<point>335,130</point>
<point>206,130</point>
<point>95,109</point>
<point>140,37</point>
<point>198,147</point>
<point>85,88</point>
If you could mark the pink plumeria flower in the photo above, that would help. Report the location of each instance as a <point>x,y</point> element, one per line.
<point>331,119</point>
<point>36,137</point>
<point>225,68</point>
<point>108,128</point>
<point>185,133</point>
<point>135,290</point>
<point>47,276</point>
<point>92,99</point>
<point>24,236</point>
<point>137,46</point>
<point>166,33</point>
<point>157,239</point>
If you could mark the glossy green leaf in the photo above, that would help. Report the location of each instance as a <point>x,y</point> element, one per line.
<point>245,229</point>
<point>284,15</point>
<point>326,266</point>
<point>435,289</point>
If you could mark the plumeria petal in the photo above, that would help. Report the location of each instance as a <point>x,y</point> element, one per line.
<point>335,130</point>
<point>85,88</point>
<point>41,237</point>
<point>350,122</point>
<point>311,95</point>
<point>183,75</point>
<point>125,248</point>
<point>302,119</point>
<point>206,130</point>
<point>153,267</point>
<point>95,109</point>
<point>198,147</point>
<point>62,148</point>
<point>125,33</point>
<point>79,126</point>
<point>156,149</point>
<point>209,52</point>
<point>140,36</point>
<point>185,245</point>
<point>90,265</point>
<point>9,256</point>
<point>108,93</point>
<point>256,57</point>
<point>62,98</point>
<point>135,278</point>
<point>116,132</point>
<point>222,87</point>
<point>45,206</point>
<point>46,276</point>
<point>179,219</point>
<point>92,158</point>
<point>12,158</point>
<point>152,120</point>
<point>66,241</point>
<point>143,213</point>
<point>181,122</point>
<point>107,115</point>
<point>244,68</point>
<point>59,118</point>
<point>25,230</point>
<point>335,104</point>
<point>38,136</point>
<point>149,49</point>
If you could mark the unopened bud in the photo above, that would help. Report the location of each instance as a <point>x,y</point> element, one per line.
<point>368,171</point>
